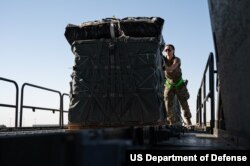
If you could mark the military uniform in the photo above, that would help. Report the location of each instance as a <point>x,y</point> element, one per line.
<point>175,86</point>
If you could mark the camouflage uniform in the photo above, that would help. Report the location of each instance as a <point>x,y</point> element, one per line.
<point>181,92</point>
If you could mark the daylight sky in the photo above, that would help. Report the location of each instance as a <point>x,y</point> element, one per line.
<point>33,48</point>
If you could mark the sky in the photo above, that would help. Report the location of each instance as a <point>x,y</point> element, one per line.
<point>33,47</point>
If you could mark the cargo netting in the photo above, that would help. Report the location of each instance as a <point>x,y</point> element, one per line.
<point>117,78</point>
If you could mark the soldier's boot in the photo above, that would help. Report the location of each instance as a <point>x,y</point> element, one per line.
<point>187,116</point>
<point>171,120</point>
<point>188,122</point>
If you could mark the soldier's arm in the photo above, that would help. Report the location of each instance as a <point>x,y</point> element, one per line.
<point>175,64</point>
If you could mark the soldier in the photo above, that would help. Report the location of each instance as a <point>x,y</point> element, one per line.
<point>175,85</point>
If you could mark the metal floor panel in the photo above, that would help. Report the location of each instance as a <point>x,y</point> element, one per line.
<point>196,141</point>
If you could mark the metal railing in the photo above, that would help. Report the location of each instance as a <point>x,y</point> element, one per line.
<point>220,112</point>
<point>9,105</point>
<point>22,106</point>
<point>202,99</point>
<point>40,108</point>
<point>62,109</point>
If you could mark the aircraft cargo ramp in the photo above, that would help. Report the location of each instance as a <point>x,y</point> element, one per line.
<point>225,133</point>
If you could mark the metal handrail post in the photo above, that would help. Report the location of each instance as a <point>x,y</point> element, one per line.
<point>17,94</point>
<point>39,87</point>
<point>62,108</point>
<point>211,89</point>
